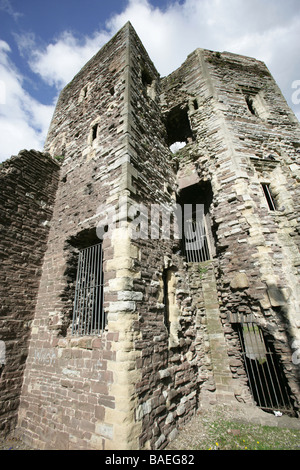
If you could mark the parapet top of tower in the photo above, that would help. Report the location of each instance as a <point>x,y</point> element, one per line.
<point>98,99</point>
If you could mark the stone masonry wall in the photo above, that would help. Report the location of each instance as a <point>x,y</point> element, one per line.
<point>68,398</point>
<point>167,362</point>
<point>28,185</point>
<point>169,344</point>
<point>266,147</point>
<point>236,150</point>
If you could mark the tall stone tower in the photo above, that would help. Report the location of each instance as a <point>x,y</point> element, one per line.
<point>171,277</point>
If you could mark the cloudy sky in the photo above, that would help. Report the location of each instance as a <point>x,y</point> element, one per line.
<point>44,44</point>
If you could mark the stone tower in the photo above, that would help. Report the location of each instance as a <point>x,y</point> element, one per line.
<point>168,275</point>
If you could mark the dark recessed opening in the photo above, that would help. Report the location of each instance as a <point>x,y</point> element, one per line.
<point>94,131</point>
<point>269,198</point>
<point>84,91</point>
<point>199,193</point>
<point>166,278</point>
<point>83,295</point>
<point>84,239</point>
<point>196,234</point>
<point>266,378</point>
<point>249,101</point>
<point>146,78</point>
<point>178,126</point>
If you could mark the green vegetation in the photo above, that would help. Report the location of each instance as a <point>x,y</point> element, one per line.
<point>231,435</point>
<point>59,158</point>
<point>202,270</point>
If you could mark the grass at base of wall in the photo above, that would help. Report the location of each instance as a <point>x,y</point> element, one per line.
<point>231,435</point>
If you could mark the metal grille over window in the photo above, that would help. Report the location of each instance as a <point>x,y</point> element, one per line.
<point>88,314</point>
<point>195,244</point>
<point>267,382</point>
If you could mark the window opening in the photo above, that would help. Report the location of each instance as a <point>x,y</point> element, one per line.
<point>268,196</point>
<point>195,229</point>
<point>195,246</point>
<point>2,356</point>
<point>94,131</point>
<point>256,103</point>
<point>166,279</point>
<point>88,313</point>
<point>171,309</point>
<point>146,78</point>
<point>149,83</point>
<point>178,125</point>
<point>83,93</point>
<point>249,102</point>
<point>267,382</point>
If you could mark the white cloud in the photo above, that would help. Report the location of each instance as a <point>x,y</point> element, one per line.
<point>59,61</point>
<point>265,29</point>
<point>23,121</point>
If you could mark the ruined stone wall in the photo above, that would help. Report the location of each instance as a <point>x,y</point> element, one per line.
<point>68,399</point>
<point>28,184</point>
<point>167,391</point>
<point>169,343</point>
<point>237,146</point>
<point>266,142</point>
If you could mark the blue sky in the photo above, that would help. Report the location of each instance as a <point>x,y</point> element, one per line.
<point>44,44</point>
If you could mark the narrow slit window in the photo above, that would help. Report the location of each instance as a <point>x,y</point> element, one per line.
<point>256,103</point>
<point>94,131</point>
<point>148,84</point>
<point>250,104</point>
<point>2,356</point>
<point>269,197</point>
<point>88,313</point>
<point>166,279</point>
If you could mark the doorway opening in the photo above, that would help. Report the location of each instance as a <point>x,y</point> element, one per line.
<point>195,225</point>
<point>267,382</point>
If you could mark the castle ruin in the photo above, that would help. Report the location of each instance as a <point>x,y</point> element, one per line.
<point>139,282</point>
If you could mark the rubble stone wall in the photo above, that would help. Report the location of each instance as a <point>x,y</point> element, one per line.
<point>237,149</point>
<point>68,399</point>
<point>28,185</point>
<point>170,342</point>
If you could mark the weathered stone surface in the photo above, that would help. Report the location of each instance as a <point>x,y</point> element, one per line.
<point>171,339</point>
<point>240,281</point>
<point>28,183</point>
